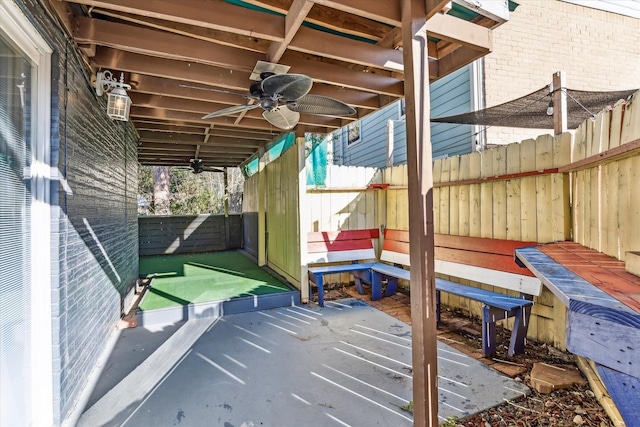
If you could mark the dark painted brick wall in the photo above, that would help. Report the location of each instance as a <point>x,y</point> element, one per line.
<point>95,229</point>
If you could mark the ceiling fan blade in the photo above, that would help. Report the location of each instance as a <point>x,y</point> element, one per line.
<point>323,105</point>
<point>282,118</point>
<point>287,86</point>
<point>231,110</point>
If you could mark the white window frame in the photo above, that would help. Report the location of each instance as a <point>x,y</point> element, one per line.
<point>351,143</point>
<point>17,27</point>
<point>479,134</point>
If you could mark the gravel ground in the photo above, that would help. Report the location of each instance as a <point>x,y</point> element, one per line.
<point>576,406</point>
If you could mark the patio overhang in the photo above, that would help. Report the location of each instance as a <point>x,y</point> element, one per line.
<point>351,49</point>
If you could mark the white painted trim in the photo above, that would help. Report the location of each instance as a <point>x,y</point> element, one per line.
<point>621,7</point>
<point>511,281</point>
<point>17,27</point>
<point>340,256</point>
<point>514,282</point>
<point>395,257</point>
<point>476,81</point>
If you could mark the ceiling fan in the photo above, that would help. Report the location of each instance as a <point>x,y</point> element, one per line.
<point>283,97</point>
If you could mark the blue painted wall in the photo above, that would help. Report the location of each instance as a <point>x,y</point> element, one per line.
<point>449,95</point>
<point>94,230</point>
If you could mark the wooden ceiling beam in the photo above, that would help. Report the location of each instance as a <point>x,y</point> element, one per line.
<point>207,34</point>
<point>216,15</point>
<point>341,76</point>
<point>168,147</point>
<point>457,59</point>
<point>387,11</point>
<point>131,38</point>
<point>155,113</point>
<point>432,7</point>
<point>337,47</point>
<point>200,107</point>
<point>157,127</point>
<point>450,28</point>
<point>162,86</point>
<point>189,72</point>
<point>243,133</point>
<point>294,18</point>
<point>161,137</point>
<point>331,19</point>
<point>169,68</point>
<point>186,157</point>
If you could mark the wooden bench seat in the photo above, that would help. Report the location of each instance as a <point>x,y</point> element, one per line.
<point>496,305</point>
<point>603,313</point>
<point>330,247</point>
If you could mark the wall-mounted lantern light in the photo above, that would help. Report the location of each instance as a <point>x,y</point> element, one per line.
<point>119,103</point>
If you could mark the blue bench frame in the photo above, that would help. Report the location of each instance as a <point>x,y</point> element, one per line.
<point>360,271</point>
<point>339,246</point>
<point>495,306</point>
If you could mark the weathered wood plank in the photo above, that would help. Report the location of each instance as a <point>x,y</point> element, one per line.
<point>560,207</point>
<point>512,193</point>
<point>544,159</point>
<point>625,392</point>
<point>634,213</point>
<point>475,163</point>
<point>454,195</point>
<point>486,195</point>
<point>616,123</point>
<point>463,197</point>
<point>607,342</point>
<point>594,210</point>
<point>444,197</point>
<point>631,120</point>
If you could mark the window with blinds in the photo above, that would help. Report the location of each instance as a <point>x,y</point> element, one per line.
<point>15,283</point>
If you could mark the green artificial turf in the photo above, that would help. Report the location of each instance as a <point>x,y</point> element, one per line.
<point>185,279</point>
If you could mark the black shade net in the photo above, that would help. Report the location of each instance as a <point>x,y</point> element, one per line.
<point>530,111</point>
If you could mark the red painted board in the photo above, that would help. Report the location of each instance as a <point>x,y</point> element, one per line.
<point>479,244</point>
<point>481,259</point>
<point>331,236</point>
<point>400,235</point>
<point>339,245</point>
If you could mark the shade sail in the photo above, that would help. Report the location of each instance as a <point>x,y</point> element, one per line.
<point>530,111</point>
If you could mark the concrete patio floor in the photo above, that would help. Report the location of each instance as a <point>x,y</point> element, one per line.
<point>347,364</point>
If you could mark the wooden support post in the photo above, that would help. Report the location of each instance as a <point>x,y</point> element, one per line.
<point>419,159</point>
<point>559,103</point>
<point>262,202</point>
<point>226,192</point>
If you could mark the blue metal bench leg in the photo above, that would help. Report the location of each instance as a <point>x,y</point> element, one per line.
<point>320,291</point>
<point>359,287</point>
<point>488,332</point>
<point>519,333</point>
<point>376,287</point>
<point>392,284</point>
<point>437,306</point>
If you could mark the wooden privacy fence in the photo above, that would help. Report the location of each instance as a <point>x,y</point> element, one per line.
<point>605,173</point>
<point>521,191</point>
<point>512,192</point>
<point>158,235</point>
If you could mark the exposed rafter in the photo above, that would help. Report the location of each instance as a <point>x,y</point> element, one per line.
<point>183,62</point>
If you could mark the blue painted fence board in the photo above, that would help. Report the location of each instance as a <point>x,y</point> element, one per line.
<point>605,342</point>
<point>625,392</point>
